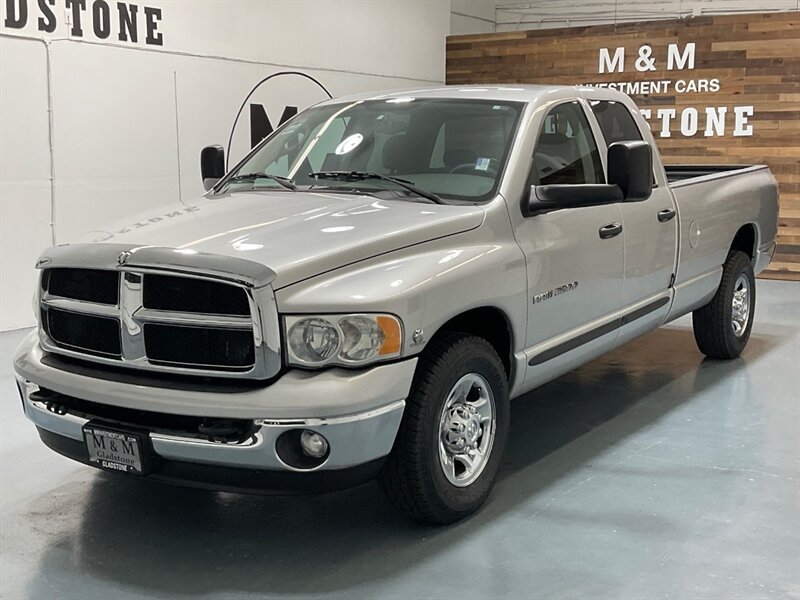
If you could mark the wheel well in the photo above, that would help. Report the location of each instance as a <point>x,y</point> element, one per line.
<point>745,240</point>
<point>489,323</point>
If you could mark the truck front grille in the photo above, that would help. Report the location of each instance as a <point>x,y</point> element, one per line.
<point>151,320</point>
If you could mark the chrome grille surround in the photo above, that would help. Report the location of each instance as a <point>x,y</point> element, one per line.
<point>134,262</point>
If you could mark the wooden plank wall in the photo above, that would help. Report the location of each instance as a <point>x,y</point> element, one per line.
<point>755,57</point>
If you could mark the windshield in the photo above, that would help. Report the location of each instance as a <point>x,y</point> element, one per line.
<point>454,149</point>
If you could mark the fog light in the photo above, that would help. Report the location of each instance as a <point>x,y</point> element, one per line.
<point>314,445</point>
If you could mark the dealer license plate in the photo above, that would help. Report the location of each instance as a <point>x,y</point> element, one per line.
<point>113,450</point>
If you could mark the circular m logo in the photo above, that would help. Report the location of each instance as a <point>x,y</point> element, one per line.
<point>274,100</point>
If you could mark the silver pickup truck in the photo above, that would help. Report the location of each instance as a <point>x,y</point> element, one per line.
<point>364,293</point>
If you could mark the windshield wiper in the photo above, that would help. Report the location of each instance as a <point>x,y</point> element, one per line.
<point>284,181</point>
<point>364,175</point>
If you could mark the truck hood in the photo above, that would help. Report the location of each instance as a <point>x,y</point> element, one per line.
<point>296,234</point>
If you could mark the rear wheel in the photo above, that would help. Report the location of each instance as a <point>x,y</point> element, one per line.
<point>454,430</point>
<point>722,327</point>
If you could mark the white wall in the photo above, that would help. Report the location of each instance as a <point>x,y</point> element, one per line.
<point>129,120</point>
<point>472,16</point>
<point>541,14</point>
<point>24,177</point>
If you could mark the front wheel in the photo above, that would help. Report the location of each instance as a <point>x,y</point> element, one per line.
<point>454,430</point>
<point>722,327</point>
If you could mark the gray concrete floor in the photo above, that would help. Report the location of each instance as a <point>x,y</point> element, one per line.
<point>650,473</point>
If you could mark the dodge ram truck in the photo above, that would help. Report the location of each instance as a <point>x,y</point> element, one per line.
<point>363,294</point>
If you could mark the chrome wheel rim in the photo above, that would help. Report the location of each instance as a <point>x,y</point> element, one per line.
<point>466,430</point>
<point>740,313</point>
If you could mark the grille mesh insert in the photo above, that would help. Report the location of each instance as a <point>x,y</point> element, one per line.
<point>184,294</point>
<point>88,333</point>
<point>89,285</point>
<point>206,346</point>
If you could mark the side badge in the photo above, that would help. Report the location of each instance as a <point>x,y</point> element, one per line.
<point>562,289</point>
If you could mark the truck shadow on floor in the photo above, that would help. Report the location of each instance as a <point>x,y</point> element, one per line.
<point>156,539</point>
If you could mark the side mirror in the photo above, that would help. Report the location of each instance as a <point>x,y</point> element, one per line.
<point>212,165</point>
<point>545,198</point>
<point>630,166</point>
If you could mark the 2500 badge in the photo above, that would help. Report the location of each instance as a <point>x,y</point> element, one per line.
<point>562,289</point>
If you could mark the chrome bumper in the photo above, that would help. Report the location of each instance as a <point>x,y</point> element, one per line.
<point>355,436</point>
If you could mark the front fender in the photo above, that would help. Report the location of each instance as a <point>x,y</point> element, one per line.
<point>425,285</point>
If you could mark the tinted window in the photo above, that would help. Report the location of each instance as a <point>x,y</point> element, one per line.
<point>615,121</point>
<point>566,152</point>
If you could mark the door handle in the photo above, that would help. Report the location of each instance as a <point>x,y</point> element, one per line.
<point>665,215</point>
<point>610,230</point>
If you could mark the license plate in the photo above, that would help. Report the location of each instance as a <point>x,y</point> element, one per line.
<point>114,450</point>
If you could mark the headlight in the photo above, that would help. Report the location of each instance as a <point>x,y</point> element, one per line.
<point>314,341</point>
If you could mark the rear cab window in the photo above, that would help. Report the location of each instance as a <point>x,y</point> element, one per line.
<point>615,121</point>
<point>617,124</point>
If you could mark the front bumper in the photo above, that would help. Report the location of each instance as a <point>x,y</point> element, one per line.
<point>358,412</point>
<point>231,479</point>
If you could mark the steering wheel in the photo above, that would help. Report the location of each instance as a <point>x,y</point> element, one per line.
<point>295,139</point>
<point>488,172</point>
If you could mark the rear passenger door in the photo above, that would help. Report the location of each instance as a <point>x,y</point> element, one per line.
<point>574,274</point>
<point>651,232</point>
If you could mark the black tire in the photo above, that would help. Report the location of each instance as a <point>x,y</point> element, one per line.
<point>413,478</point>
<point>713,330</point>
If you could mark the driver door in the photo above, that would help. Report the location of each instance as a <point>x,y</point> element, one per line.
<point>574,256</point>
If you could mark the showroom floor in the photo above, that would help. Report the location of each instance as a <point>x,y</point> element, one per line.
<point>648,473</point>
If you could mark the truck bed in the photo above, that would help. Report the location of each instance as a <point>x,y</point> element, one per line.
<point>714,203</point>
<point>676,173</point>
